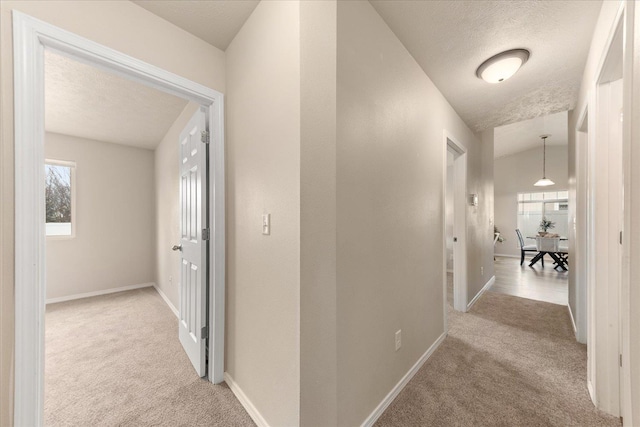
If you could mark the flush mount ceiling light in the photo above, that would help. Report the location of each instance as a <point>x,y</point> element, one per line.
<point>544,181</point>
<point>500,67</point>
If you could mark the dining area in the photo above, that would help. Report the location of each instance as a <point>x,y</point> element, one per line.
<point>545,244</point>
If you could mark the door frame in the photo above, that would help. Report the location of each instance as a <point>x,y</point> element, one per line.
<point>604,350</point>
<point>30,38</point>
<point>459,224</point>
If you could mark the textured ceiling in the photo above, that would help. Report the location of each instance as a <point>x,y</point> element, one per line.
<point>450,39</point>
<point>86,102</point>
<point>525,135</point>
<point>215,21</point>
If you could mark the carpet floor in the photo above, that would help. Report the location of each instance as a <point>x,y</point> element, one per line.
<point>116,360</point>
<point>509,361</point>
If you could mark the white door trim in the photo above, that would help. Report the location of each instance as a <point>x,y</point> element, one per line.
<point>30,38</point>
<point>603,348</point>
<point>459,223</point>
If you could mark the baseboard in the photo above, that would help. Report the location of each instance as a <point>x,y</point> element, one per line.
<point>507,256</point>
<point>482,291</point>
<point>166,299</point>
<point>97,293</point>
<point>573,321</point>
<point>592,393</point>
<point>371,419</point>
<point>253,412</point>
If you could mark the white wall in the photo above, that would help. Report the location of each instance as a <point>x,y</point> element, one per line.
<point>114,222</point>
<point>263,176</point>
<point>390,225</point>
<point>167,207</point>
<point>516,174</point>
<point>120,25</point>
<point>630,298</point>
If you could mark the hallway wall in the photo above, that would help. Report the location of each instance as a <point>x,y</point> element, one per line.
<point>390,224</point>
<point>263,176</point>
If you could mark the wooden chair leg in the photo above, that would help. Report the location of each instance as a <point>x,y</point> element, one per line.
<point>521,257</point>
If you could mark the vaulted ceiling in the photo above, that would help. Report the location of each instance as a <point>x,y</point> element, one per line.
<point>84,101</point>
<point>216,22</point>
<point>525,135</point>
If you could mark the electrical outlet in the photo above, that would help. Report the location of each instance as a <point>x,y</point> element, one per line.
<point>398,339</point>
<point>482,271</point>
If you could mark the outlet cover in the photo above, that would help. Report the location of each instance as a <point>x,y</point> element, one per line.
<point>398,339</point>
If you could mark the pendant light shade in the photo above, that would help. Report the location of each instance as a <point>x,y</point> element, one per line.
<point>544,181</point>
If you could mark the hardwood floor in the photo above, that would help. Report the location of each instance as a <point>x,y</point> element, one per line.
<point>536,283</point>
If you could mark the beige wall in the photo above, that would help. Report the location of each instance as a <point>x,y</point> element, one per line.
<point>139,34</point>
<point>114,222</point>
<point>167,207</point>
<point>263,176</point>
<point>516,174</point>
<point>390,221</point>
<point>318,304</point>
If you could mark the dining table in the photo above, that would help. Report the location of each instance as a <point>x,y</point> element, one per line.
<point>560,258</point>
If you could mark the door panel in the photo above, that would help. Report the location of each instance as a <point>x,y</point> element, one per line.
<point>193,213</point>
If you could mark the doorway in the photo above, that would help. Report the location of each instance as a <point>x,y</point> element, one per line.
<point>31,38</point>
<point>605,210</point>
<point>455,219</point>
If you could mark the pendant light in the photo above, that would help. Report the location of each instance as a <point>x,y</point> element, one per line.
<point>544,181</point>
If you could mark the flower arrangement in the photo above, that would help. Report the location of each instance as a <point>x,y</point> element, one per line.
<point>546,225</point>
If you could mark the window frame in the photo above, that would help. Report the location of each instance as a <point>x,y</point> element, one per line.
<point>72,166</point>
<point>542,201</point>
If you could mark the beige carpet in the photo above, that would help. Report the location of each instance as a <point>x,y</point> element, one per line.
<point>508,362</point>
<point>116,360</point>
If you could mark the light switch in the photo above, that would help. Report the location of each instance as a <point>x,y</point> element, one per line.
<point>266,224</point>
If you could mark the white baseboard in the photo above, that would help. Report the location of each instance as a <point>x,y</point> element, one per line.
<point>253,412</point>
<point>508,255</point>
<point>573,321</point>
<point>166,299</point>
<point>592,393</point>
<point>482,291</point>
<point>371,419</point>
<point>97,293</point>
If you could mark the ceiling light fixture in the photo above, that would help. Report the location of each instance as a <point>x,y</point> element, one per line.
<point>544,181</point>
<point>500,67</point>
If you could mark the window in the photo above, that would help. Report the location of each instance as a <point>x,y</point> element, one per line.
<point>553,205</point>
<point>59,198</point>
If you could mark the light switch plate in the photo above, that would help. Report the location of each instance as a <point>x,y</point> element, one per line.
<point>266,224</point>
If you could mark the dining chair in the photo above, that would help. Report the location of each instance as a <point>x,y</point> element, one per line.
<point>523,248</point>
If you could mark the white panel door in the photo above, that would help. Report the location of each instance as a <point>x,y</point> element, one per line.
<point>193,242</point>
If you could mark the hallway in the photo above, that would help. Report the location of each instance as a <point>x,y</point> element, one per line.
<point>509,361</point>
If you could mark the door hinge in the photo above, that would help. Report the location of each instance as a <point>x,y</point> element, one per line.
<point>204,136</point>
<point>205,234</point>
<point>621,237</point>
<point>621,361</point>
<point>204,332</point>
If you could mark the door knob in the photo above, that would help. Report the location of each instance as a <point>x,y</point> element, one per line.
<point>176,248</point>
